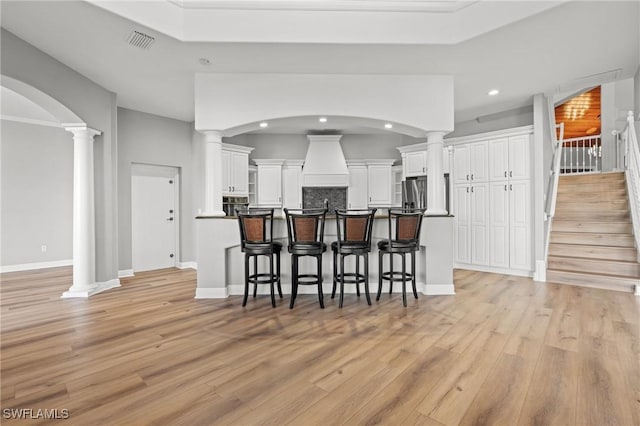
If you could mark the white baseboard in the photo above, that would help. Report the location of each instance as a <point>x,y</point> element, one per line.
<point>637,288</point>
<point>36,265</point>
<point>95,289</point>
<point>540,273</point>
<point>125,273</point>
<point>211,293</point>
<point>492,269</point>
<point>187,265</point>
<point>430,290</point>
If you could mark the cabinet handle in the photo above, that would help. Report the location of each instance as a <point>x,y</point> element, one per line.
<point>505,173</point>
<point>467,177</point>
<point>510,187</point>
<point>472,189</point>
<point>472,176</point>
<point>233,189</point>
<point>511,173</point>
<point>505,187</point>
<point>467,189</point>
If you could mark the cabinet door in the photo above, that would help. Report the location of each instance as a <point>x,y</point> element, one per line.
<point>479,161</point>
<point>358,188</point>
<point>270,185</point>
<point>461,173</point>
<point>379,184</point>
<point>499,224</point>
<point>519,157</point>
<point>520,225</point>
<point>479,213</point>
<point>462,236</point>
<point>415,163</point>
<point>291,188</point>
<point>226,172</point>
<point>239,173</point>
<point>498,159</point>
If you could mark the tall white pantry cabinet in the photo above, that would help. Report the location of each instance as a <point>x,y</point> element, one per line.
<point>492,201</point>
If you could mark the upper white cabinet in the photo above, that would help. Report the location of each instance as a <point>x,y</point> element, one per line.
<point>509,158</point>
<point>292,184</point>
<point>380,183</point>
<point>470,162</point>
<point>415,163</point>
<point>358,195</point>
<point>269,182</point>
<point>235,170</point>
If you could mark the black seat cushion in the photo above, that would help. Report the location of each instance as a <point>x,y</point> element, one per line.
<point>262,247</point>
<point>307,248</point>
<point>351,246</point>
<point>398,246</point>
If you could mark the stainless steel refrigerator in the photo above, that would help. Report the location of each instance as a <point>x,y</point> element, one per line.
<point>414,192</point>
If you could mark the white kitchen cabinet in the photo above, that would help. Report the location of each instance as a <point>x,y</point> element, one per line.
<point>235,170</point>
<point>397,172</point>
<point>269,183</point>
<point>492,204</point>
<point>357,194</point>
<point>292,184</point>
<point>415,163</point>
<point>253,185</point>
<point>380,183</point>
<point>509,158</point>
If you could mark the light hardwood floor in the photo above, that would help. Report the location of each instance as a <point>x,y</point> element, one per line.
<point>503,351</point>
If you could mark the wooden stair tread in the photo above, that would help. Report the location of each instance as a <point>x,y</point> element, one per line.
<point>602,281</point>
<point>597,266</point>
<point>597,252</point>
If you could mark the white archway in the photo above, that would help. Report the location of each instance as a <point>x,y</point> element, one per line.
<point>84,246</point>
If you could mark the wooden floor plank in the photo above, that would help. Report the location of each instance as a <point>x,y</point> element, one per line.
<point>502,350</point>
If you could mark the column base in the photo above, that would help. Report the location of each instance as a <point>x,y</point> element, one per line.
<point>95,289</point>
<point>540,274</point>
<point>439,289</point>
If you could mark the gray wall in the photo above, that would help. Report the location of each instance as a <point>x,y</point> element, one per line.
<point>151,139</point>
<point>499,121</point>
<point>294,146</point>
<point>97,107</point>
<point>37,193</point>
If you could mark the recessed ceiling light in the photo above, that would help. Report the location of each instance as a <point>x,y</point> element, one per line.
<point>264,124</point>
<point>388,126</point>
<point>322,119</point>
<point>204,61</point>
<point>493,92</point>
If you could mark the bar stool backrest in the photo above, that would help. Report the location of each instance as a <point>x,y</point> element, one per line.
<point>305,225</point>
<point>354,226</point>
<point>407,226</point>
<point>256,226</point>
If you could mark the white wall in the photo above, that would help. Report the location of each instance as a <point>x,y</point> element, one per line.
<point>37,194</point>
<point>636,94</point>
<point>151,139</point>
<point>505,120</point>
<point>97,107</point>
<point>225,101</point>
<point>616,101</point>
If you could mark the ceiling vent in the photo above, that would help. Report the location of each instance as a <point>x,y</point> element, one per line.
<point>141,40</point>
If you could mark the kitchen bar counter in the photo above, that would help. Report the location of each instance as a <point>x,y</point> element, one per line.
<point>221,263</point>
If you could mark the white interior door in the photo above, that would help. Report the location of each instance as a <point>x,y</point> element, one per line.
<point>154,220</point>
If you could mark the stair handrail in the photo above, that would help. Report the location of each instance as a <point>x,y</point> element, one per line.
<point>552,191</point>
<point>632,174</point>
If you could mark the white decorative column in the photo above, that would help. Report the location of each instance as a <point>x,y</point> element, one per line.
<point>213,174</point>
<point>84,248</point>
<point>435,180</point>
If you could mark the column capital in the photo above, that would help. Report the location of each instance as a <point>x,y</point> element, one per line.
<point>81,129</point>
<point>213,136</point>
<point>435,137</point>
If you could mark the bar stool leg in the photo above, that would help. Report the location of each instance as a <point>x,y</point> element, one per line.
<point>379,275</point>
<point>341,280</point>
<point>391,272</point>
<point>413,274</point>
<point>294,279</point>
<point>246,280</point>
<point>404,280</point>
<point>320,295</point>
<point>366,278</point>
<point>271,279</point>
<point>335,273</point>
<point>357,275</point>
<point>255,271</point>
<point>278,272</point>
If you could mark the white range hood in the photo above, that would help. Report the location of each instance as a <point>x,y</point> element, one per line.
<point>324,164</point>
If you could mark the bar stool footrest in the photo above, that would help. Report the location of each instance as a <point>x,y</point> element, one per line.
<point>398,276</point>
<point>351,278</point>
<point>262,278</point>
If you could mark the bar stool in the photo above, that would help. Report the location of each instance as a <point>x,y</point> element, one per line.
<point>354,239</point>
<point>404,239</point>
<point>305,229</point>
<point>256,235</point>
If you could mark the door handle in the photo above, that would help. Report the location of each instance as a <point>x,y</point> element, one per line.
<point>170,219</point>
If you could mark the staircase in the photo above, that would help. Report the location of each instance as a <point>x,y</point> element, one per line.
<point>592,243</point>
